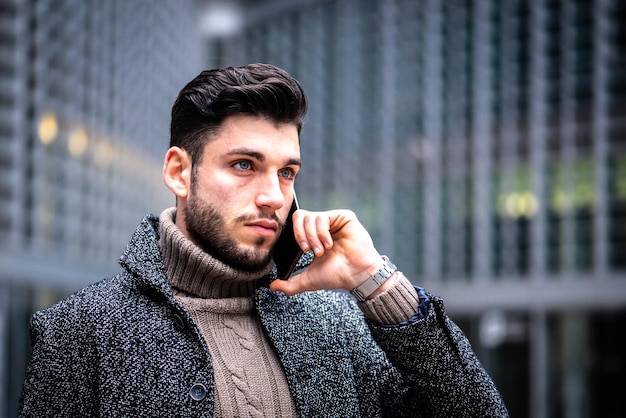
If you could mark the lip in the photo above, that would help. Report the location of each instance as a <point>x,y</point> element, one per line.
<point>264,227</point>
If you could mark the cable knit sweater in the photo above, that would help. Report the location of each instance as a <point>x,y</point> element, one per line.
<point>249,380</point>
<point>126,346</point>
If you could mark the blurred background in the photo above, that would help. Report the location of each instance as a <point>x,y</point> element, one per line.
<point>483,143</point>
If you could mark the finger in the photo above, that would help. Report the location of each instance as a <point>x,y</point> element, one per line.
<point>323,232</point>
<point>312,229</point>
<point>298,229</point>
<point>290,287</point>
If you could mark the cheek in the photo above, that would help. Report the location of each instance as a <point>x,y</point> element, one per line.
<point>226,196</point>
<point>218,188</point>
<point>283,213</point>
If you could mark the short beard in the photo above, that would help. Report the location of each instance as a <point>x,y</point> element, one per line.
<point>206,227</point>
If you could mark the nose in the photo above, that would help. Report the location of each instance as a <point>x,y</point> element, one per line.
<point>270,194</point>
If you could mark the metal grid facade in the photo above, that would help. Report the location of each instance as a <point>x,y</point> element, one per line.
<point>85,93</point>
<point>87,88</point>
<point>483,142</point>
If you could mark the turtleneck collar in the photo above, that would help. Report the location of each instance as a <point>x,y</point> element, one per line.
<point>196,273</point>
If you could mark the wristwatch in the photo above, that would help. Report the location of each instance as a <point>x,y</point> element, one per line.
<point>373,282</point>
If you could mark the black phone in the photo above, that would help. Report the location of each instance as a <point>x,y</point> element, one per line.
<point>286,251</point>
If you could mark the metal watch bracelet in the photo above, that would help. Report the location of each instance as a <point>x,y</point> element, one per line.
<point>373,282</point>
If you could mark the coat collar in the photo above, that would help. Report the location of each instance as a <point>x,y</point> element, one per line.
<point>142,256</point>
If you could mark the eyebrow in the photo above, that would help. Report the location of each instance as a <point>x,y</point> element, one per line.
<point>259,156</point>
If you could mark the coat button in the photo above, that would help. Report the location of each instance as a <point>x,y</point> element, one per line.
<point>178,322</point>
<point>198,392</point>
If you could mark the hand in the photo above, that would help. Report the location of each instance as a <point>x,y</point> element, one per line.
<point>344,252</point>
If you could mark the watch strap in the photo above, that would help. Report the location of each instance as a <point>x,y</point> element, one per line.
<point>373,282</point>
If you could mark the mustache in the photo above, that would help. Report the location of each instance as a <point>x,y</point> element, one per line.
<point>248,217</point>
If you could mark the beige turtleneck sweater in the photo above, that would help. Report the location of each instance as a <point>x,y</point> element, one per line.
<point>249,379</point>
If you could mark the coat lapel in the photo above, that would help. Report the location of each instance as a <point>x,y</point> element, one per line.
<point>312,346</point>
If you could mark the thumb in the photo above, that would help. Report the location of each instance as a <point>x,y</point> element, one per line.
<point>292,286</point>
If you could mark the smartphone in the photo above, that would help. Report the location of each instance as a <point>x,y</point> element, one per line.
<point>286,251</point>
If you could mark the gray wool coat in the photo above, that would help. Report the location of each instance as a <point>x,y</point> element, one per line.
<point>124,347</point>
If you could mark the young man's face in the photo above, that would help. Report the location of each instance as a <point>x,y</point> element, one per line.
<point>242,190</point>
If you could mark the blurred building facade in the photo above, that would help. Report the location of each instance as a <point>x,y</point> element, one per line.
<point>484,144</point>
<point>85,93</point>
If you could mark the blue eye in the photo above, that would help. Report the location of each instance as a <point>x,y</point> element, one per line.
<point>243,165</point>
<point>287,173</point>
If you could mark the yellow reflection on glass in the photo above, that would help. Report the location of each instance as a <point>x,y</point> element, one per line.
<point>519,204</point>
<point>527,204</point>
<point>48,128</point>
<point>103,154</point>
<point>77,143</point>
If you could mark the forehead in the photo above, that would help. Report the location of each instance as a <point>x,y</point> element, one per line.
<point>257,133</point>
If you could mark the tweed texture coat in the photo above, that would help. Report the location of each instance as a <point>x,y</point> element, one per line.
<point>125,347</point>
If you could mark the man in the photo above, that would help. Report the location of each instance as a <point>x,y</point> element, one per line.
<point>197,325</point>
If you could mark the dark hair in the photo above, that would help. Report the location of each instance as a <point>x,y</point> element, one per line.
<point>253,89</point>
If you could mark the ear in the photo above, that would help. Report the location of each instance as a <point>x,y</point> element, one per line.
<point>177,171</point>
